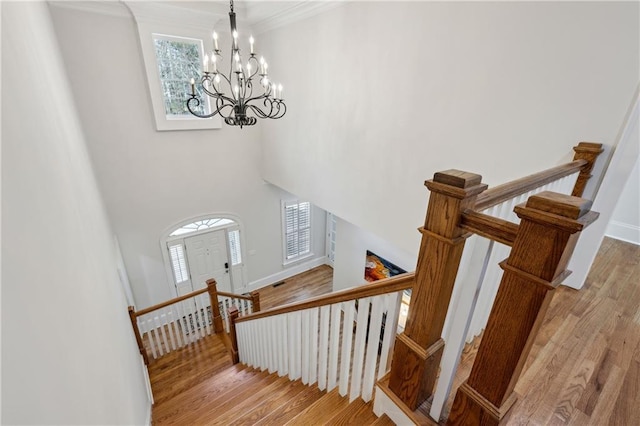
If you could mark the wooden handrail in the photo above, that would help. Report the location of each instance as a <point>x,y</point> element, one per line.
<point>498,194</point>
<point>234,296</point>
<point>169,302</point>
<point>185,297</point>
<point>388,285</point>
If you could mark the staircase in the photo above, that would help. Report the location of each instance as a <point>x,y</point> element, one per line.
<point>199,385</point>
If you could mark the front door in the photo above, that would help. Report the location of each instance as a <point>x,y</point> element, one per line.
<point>208,257</point>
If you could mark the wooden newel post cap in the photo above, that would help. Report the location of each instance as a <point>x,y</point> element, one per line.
<point>211,282</point>
<point>559,210</point>
<point>456,183</point>
<point>588,147</point>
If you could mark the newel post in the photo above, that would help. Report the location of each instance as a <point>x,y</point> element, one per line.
<point>588,151</point>
<point>233,316</point>
<point>215,307</point>
<point>549,229</point>
<point>255,301</point>
<point>418,350</point>
<point>136,331</point>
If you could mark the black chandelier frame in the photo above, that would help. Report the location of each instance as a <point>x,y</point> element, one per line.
<point>234,108</point>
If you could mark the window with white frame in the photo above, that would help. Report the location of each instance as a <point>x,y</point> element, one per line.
<point>173,55</point>
<point>296,225</point>
<point>234,247</point>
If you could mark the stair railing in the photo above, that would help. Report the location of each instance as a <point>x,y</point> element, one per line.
<point>173,324</point>
<point>455,210</point>
<point>343,339</point>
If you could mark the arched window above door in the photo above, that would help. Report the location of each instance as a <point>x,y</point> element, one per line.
<point>199,225</point>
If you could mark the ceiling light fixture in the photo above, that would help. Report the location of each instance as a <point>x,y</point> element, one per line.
<point>233,93</point>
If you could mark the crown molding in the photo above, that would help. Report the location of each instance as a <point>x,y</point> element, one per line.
<point>172,13</point>
<point>296,11</point>
<point>107,7</point>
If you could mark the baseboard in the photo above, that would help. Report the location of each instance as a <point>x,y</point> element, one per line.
<point>624,232</point>
<point>148,422</point>
<point>288,272</point>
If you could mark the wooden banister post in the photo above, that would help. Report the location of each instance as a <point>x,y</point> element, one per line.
<point>418,350</point>
<point>549,229</point>
<point>585,151</point>
<point>233,316</point>
<point>136,331</point>
<point>255,301</point>
<point>215,307</point>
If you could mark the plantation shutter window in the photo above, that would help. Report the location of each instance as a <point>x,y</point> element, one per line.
<point>178,263</point>
<point>297,229</point>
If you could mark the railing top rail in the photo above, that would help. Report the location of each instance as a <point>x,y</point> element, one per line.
<point>170,302</point>
<point>498,194</point>
<point>388,285</point>
<point>235,296</point>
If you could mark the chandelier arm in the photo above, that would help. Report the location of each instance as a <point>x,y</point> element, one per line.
<point>221,107</point>
<point>216,94</point>
<point>257,111</point>
<point>197,103</point>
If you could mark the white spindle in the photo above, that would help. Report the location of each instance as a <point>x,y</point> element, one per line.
<point>273,345</point>
<point>297,343</point>
<point>152,343</point>
<point>291,343</point>
<point>305,346</point>
<point>175,318</point>
<point>313,333</point>
<point>391,326</point>
<point>202,324</point>
<point>347,340</point>
<point>334,346</point>
<point>324,347</point>
<point>282,329</point>
<point>373,344</point>
<point>162,345</point>
<point>169,318</point>
<point>359,348</point>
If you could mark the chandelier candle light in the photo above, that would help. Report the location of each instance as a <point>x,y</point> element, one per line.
<point>236,99</point>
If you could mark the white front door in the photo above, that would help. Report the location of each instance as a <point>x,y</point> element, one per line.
<point>207,257</point>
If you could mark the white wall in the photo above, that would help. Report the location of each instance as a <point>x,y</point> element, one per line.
<point>68,352</point>
<point>151,180</point>
<point>352,244</point>
<point>383,94</point>
<point>625,222</point>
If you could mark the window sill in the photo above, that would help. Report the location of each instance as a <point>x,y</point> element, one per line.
<point>297,259</point>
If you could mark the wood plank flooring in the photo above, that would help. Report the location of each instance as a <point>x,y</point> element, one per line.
<point>584,367</point>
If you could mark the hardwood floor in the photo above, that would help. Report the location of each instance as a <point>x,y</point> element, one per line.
<point>312,283</point>
<point>584,366</point>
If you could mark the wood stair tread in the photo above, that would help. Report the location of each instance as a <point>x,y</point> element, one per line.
<point>322,410</point>
<point>357,412</point>
<point>383,420</point>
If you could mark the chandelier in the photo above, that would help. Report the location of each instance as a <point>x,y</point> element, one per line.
<point>233,93</point>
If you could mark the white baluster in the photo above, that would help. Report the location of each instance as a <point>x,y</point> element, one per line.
<point>291,338</point>
<point>313,333</point>
<point>347,340</point>
<point>461,322</point>
<point>201,322</point>
<point>391,326</point>
<point>282,327</point>
<point>334,348</point>
<point>373,345</point>
<point>149,327</point>
<point>359,348</point>
<point>324,347</point>
<point>297,361</point>
<point>306,321</point>
<point>174,324</point>
<point>162,345</point>
<point>169,318</point>
<point>273,345</point>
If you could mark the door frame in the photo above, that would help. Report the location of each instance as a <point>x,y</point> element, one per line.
<point>166,239</point>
